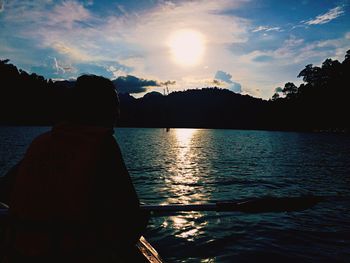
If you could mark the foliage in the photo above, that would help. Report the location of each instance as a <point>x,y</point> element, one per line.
<point>321,102</point>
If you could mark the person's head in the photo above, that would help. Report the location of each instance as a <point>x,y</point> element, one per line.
<point>94,101</point>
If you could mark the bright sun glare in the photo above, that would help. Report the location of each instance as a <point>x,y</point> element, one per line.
<point>187,47</point>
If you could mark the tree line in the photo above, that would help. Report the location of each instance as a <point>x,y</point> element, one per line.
<point>321,102</point>
<point>29,99</point>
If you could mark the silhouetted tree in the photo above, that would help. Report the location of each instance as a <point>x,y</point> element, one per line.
<point>311,75</point>
<point>275,96</point>
<point>321,101</point>
<point>290,90</point>
<point>347,56</point>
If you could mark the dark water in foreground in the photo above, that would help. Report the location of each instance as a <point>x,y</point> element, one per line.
<point>194,166</point>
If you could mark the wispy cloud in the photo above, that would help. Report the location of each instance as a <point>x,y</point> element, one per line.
<point>122,10</point>
<point>286,53</point>
<point>67,14</point>
<point>296,51</point>
<point>290,45</point>
<point>89,2</point>
<point>267,29</point>
<point>272,68</point>
<point>71,51</point>
<point>326,17</point>
<point>18,12</point>
<point>59,68</point>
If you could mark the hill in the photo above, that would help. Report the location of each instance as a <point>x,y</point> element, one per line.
<point>320,103</point>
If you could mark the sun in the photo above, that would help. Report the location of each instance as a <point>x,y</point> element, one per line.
<point>187,47</point>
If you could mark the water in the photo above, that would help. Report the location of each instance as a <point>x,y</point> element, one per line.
<point>195,166</point>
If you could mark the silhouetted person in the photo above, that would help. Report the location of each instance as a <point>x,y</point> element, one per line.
<point>71,197</point>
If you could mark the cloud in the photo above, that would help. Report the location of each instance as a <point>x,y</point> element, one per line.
<point>326,17</point>
<point>54,68</point>
<point>227,78</point>
<point>75,33</point>
<point>289,46</point>
<point>118,69</point>
<point>132,84</point>
<point>221,75</point>
<point>89,2</point>
<point>68,13</point>
<point>133,41</point>
<point>267,29</point>
<point>235,87</point>
<point>152,28</point>
<point>263,58</point>
<point>122,10</point>
<point>63,27</point>
<point>97,68</point>
<point>287,60</point>
<point>58,67</point>
<point>2,6</point>
<point>289,50</point>
<point>278,90</point>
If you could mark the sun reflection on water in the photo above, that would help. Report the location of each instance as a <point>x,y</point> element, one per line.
<point>184,136</point>
<point>183,175</point>
<point>182,182</point>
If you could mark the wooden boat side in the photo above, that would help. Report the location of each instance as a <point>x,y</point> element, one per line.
<point>150,254</point>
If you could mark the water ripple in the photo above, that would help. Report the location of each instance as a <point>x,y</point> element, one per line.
<point>196,166</point>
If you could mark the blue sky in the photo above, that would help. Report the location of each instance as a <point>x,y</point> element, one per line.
<point>248,46</point>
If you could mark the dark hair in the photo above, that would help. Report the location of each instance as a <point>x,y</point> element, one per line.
<point>94,101</point>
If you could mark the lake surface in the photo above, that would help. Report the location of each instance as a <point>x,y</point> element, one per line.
<point>203,165</point>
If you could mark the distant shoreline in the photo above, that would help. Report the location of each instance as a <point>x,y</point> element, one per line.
<point>323,131</point>
<point>319,104</point>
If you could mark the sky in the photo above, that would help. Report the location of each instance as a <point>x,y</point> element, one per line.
<point>247,46</point>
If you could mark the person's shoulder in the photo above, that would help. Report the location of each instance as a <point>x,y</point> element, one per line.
<point>109,142</point>
<point>110,147</point>
<point>39,145</point>
<point>42,138</point>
